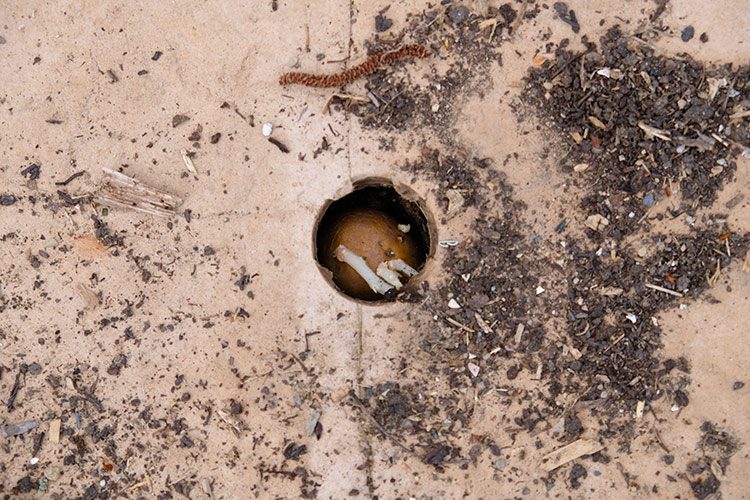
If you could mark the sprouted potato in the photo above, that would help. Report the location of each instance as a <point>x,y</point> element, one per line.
<point>374,237</point>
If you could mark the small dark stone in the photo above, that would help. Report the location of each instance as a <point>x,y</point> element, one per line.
<point>437,454</point>
<point>704,37</point>
<point>687,34</point>
<point>32,172</point>
<point>738,385</point>
<point>683,283</point>
<point>215,138</point>
<point>705,487</point>
<point>7,200</point>
<point>196,134</point>
<point>208,251</point>
<point>577,473</point>
<point>118,363</point>
<point>668,459</point>
<point>156,55</point>
<point>179,120</point>
<point>513,372</point>
<point>35,369</point>
<point>24,485</point>
<point>573,427</point>
<point>382,23</point>
<point>186,442</point>
<point>681,398</point>
<point>235,407</point>
<point>458,14</point>
<point>294,451</point>
<point>567,15</point>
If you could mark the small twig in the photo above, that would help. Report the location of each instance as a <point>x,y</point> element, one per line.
<point>459,325</point>
<point>299,362</point>
<point>14,391</point>
<point>662,289</point>
<point>307,337</point>
<point>70,179</point>
<point>521,14</point>
<point>279,472</point>
<point>565,66</point>
<point>358,403</point>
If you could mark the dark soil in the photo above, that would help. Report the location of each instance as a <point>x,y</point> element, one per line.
<point>452,32</point>
<point>609,123</point>
<point>609,357</point>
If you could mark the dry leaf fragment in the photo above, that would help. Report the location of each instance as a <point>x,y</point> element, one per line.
<point>569,452</point>
<point>88,246</point>
<point>90,299</point>
<point>597,122</point>
<point>540,59</point>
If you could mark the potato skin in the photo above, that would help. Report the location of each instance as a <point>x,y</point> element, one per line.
<point>374,236</point>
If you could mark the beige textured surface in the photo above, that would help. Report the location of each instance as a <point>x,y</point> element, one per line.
<point>256,207</point>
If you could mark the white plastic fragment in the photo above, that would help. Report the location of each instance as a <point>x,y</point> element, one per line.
<point>447,243</point>
<point>267,129</point>
<point>632,318</point>
<point>359,265</point>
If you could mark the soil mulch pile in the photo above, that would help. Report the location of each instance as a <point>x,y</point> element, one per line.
<point>640,128</point>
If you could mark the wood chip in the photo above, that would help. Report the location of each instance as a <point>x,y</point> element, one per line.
<point>189,163</point>
<point>610,291</point>
<point>339,394</point>
<point>120,191</point>
<point>570,452</point>
<point>639,409</point>
<point>54,431</point>
<point>456,202</point>
<point>483,324</point>
<point>652,132</point>
<point>519,334</point>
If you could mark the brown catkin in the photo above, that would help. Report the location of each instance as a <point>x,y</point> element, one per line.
<point>347,76</point>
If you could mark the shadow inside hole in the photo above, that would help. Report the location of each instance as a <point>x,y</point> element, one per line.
<point>367,197</point>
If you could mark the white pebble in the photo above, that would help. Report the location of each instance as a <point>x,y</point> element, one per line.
<point>474,369</point>
<point>539,290</point>
<point>453,304</point>
<point>267,129</point>
<point>102,483</point>
<point>34,461</point>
